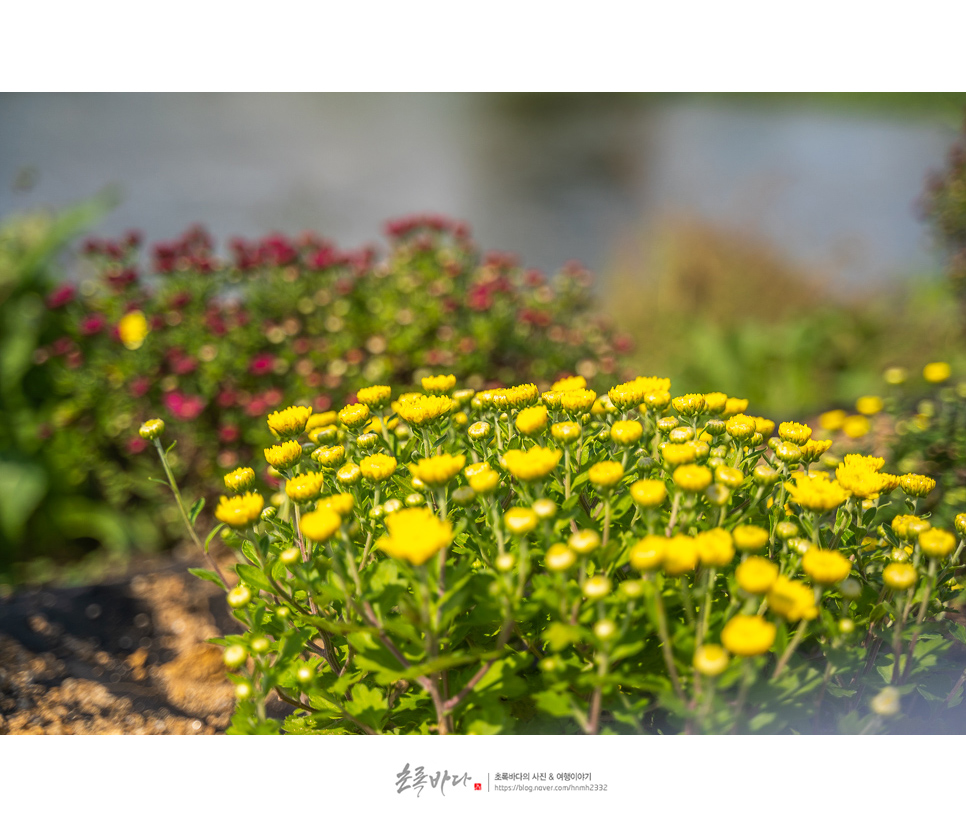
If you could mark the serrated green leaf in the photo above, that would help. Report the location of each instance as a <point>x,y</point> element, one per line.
<point>367,705</point>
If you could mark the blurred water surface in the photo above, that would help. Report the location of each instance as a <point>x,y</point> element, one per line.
<point>551,178</point>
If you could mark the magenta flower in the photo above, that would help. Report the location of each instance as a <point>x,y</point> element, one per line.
<point>92,324</point>
<point>61,296</point>
<point>183,406</point>
<point>261,364</point>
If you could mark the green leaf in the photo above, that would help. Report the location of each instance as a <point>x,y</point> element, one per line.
<point>22,487</point>
<point>368,705</point>
<point>195,510</point>
<point>760,721</point>
<point>208,576</point>
<point>554,703</point>
<point>559,636</point>
<point>254,577</point>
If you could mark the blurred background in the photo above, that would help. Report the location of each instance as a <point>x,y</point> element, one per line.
<point>750,208</point>
<point>775,247</point>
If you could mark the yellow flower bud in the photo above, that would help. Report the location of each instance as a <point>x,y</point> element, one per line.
<point>240,479</point>
<point>520,520</point>
<point>936,372</point>
<point>899,575</point>
<point>936,543</point>
<point>606,474</point>
<point>151,429</point>
<point>649,493</point>
<point>597,587</point>
<point>756,575</point>
<point>711,660</point>
<point>559,557</point>
<point>747,636</point>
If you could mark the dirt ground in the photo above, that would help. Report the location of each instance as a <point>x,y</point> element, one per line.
<point>123,657</point>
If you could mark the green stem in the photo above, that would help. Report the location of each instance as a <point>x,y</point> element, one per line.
<point>184,514</point>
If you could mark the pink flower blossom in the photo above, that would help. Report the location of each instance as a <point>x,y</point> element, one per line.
<point>183,406</point>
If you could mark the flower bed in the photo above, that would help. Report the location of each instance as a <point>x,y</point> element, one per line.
<point>511,560</point>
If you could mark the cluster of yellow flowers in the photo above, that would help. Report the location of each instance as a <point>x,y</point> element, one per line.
<point>711,492</point>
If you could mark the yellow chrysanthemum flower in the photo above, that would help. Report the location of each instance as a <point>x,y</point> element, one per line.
<point>936,372</point>
<point>816,492</point>
<point>321,420</point>
<point>240,510</point>
<point>936,543</point>
<point>533,464</point>
<point>792,600</point>
<point>741,426</point>
<point>302,488</point>
<point>597,587</point>
<point>532,420</point>
<point>559,557</point>
<point>899,575</point>
<point>680,555</point>
<point>442,384</point>
<point>832,420</point>
<point>378,467</point>
<point>677,454</point>
<point>566,433</point>
<point>578,401</point>
<point>133,329</point>
<point>814,449</point>
<point>151,429</point>
<point>520,520</point>
<point>321,525</point>
<point>960,522</point>
<point>649,493</point>
<point>606,474</point>
<point>418,409</point>
<point>756,574</point>
<point>341,503</point>
<point>570,383</point>
<point>284,455</point>
<point>715,402</point>
<point>711,660</point>
<point>626,432</point>
<point>374,396</point>
<point>240,479</point>
<point>353,416</point>
<point>869,405</point>
<point>825,567</point>
<point>715,547</point>
<point>329,457</point>
<point>648,553</point>
<point>484,481</point>
<point>859,474</point>
<point>734,406</point>
<point>349,474</point>
<point>797,433</point>
<point>289,422</point>
<point>856,426</point>
<point>415,535</point>
<point>916,485</point>
<point>909,527</point>
<point>439,470</point>
<point>631,394</point>
<point>747,636</point>
<point>689,404</point>
<point>692,478</point>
